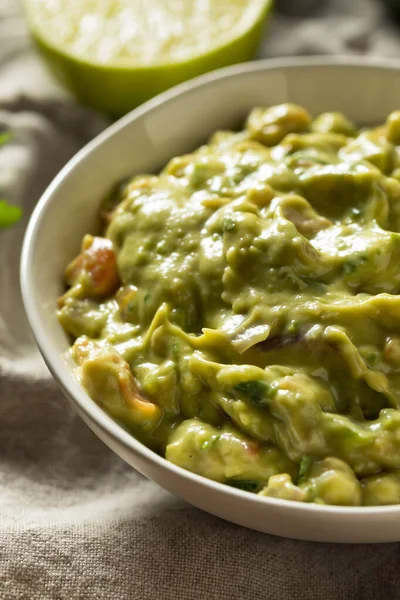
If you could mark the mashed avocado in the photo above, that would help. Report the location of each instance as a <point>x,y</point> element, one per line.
<point>240,314</point>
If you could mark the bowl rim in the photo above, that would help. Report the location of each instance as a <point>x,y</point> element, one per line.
<point>57,366</point>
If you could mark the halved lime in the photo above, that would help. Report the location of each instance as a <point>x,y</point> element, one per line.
<point>115,54</point>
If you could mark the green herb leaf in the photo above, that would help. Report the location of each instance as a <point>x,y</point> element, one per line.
<point>349,267</point>
<point>5,136</point>
<point>254,390</point>
<point>293,327</point>
<point>9,214</point>
<point>208,444</point>
<point>352,265</point>
<point>372,358</point>
<point>228,224</point>
<point>247,486</point>
<point>305,464</point>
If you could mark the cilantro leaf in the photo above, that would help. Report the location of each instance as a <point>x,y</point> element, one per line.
<point>254,390</point>
<point>208,444</point>
<point>5,136</point>
<point>9,214</point>
<point>247,486</point>
<point>305,464</point>
<point>228,224</point>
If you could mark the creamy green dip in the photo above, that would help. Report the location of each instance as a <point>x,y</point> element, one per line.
<point>241,314</point>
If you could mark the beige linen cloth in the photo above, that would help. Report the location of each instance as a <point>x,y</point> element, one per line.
<point>75,521</point>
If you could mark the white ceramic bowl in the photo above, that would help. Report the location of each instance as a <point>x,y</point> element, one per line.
<point>174,123</point>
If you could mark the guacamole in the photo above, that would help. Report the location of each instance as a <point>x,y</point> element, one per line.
<point>240,313</point>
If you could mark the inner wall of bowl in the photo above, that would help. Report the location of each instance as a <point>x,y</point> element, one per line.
<point>147,140</point>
